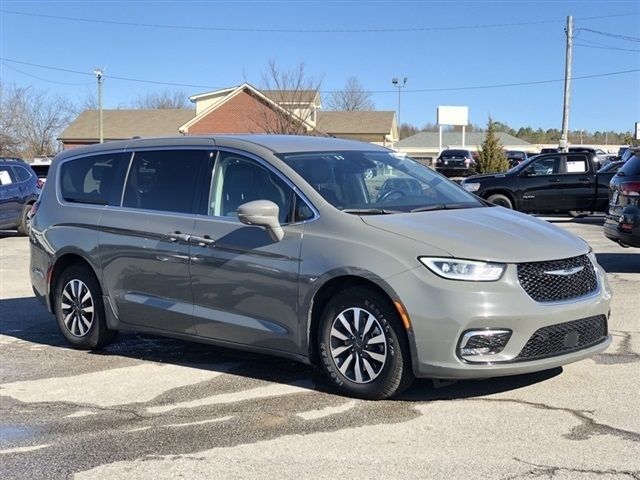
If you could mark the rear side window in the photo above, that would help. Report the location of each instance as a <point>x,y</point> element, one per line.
<point>165,180</point>
<point>577,164</point>
<point>92,179</point>
<point>22,173</point>
<point>631,166</point>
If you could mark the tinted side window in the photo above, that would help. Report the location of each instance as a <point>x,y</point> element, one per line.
<point>91,179</point>
<point>22,173</point>
<point>631,166</point>
<point>545,166</point>
<point>240,180</point>
<point>165,180</point>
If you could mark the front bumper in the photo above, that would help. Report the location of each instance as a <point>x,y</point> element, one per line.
<point>441,311</point>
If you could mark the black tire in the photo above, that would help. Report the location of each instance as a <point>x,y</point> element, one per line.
<point>500,200</point>
<point>377,380</point>
<point>85,328</point>
<point>23,228</point>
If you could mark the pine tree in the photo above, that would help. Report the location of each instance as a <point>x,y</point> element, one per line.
<point>491,156</point>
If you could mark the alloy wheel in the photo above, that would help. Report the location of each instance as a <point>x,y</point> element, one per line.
<point>77,308</point>
<point>358,345</point>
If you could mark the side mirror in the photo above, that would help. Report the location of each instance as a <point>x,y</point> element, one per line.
<point>262,213</point>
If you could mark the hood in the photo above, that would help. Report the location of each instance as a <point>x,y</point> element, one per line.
<point>490,233</point>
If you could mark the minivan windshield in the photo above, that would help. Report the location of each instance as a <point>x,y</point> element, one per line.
<point>364,182</point>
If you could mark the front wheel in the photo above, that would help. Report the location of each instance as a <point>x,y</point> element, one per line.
<point>79,309</point>
<point>500,200</point>
<point>364,350</point>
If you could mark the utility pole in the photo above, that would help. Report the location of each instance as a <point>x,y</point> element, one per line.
<point>99,74</point>
<point>399,85</point>
<point>564,138</point>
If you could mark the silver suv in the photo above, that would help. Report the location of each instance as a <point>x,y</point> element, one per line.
<point>284,245</point>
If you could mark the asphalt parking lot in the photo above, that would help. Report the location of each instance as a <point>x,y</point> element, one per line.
<point>151,408</point>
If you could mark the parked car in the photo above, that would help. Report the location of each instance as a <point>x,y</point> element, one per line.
<point>622,222</point>
<point>611,167</point>
<point>455,162</point>
<point>19,189</point>
<point>41,168</point>
<point>279,244</point>
<point>599,156</point>
<point>547,183</point>
<point>515,157</point>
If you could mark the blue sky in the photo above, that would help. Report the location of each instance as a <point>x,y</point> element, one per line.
<point>436,45</point>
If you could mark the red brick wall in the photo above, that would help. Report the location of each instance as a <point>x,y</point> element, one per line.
<point>244,113</point>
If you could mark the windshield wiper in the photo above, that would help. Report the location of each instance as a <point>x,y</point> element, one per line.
<point>429,208</point>
<point>442,206</point>
<point>369,211</point>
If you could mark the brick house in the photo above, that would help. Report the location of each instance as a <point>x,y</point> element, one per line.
<point>240,110</point>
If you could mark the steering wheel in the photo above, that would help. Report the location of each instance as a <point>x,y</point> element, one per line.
<point>386,196</point>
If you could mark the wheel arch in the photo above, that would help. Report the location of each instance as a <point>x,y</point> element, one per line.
<point>63,262</point>
<point>330,288</point>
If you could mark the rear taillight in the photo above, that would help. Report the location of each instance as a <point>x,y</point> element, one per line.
<point>631,189</point>
<point>40,184</point>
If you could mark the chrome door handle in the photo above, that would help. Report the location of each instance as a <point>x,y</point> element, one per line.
<point>205,241</point>
<point>177,237</point>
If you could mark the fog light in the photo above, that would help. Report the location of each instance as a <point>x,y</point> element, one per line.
<point>483,342</point>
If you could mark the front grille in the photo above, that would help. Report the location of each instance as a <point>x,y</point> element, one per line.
<point>552,281</point>
<point>564,338</point>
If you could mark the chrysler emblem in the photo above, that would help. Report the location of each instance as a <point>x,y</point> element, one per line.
<point>565,272</point>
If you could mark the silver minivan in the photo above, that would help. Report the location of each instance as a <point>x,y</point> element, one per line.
<point>299,247</point>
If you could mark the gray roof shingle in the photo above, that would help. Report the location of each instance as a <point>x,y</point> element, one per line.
<point>123,124</point>
<point>356,122</point>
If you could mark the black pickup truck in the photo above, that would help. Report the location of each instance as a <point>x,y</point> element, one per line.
<point>548,183</point>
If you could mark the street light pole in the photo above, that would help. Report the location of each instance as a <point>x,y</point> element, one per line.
<point>399,85</point>
<point>99,73</point>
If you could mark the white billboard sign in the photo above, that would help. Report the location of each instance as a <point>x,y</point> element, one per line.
<point>453,115</point>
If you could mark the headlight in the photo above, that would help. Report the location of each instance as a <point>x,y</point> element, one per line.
<point>471,187</point>
<point>469,270</point>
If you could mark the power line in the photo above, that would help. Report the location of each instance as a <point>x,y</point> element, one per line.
<point>423,90</point>
<point>297,30</point>
<point>111,77</point>
<point>606,47</point>
<point>40,78</point>
<point>612,35</point>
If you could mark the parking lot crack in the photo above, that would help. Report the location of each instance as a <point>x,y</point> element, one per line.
<point>550,471</point>
<point>588,426</point>
<point>623,354</point>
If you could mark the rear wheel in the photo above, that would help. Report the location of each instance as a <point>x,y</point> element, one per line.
<point>79,309</point>
<point>500,200</point>
<point>363,348</point>
<point>23,228</point>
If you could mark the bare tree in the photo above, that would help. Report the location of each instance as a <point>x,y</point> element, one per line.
<point>294,92</point>
<point>352,97</point>
<point>168,99</point>
<point>31,120</point>
<point>10,101</point>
